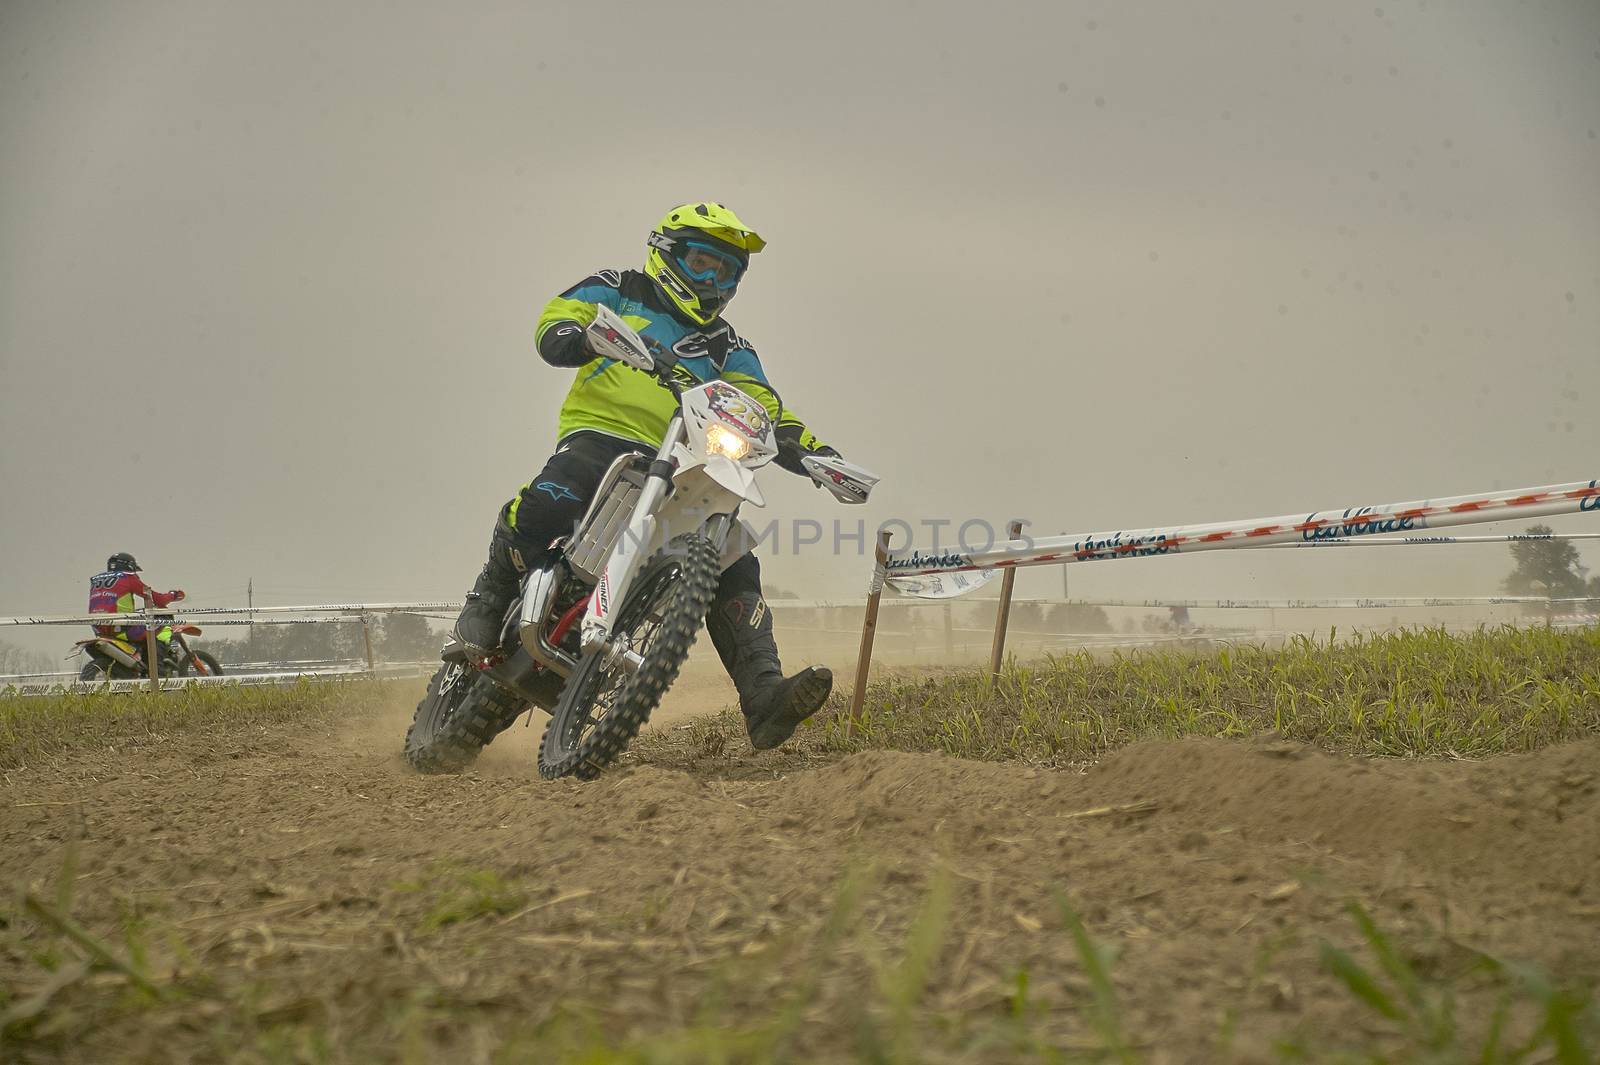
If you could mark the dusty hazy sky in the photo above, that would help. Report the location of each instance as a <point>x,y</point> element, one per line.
<point>269,272</point>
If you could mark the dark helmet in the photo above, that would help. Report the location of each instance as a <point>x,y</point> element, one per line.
<point>122,561</point>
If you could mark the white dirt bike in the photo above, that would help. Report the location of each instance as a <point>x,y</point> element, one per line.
<point>607,617</point>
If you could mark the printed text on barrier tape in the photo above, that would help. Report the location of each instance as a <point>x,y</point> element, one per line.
<point>1337,604</point>
<point>1353,521</point>
<point>119,620</point>
<point>213,615</point>
<point>1403,541</point>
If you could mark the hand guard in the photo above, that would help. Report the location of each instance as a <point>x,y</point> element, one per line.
<point>848,482</point>
<point>608,336</point>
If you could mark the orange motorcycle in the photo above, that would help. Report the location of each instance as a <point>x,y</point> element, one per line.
<point>109,658</point>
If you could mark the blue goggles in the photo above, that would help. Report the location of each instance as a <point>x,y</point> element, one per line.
<point>709,266</point>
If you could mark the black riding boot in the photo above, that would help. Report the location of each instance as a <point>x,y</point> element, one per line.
<point>483,616</point>
<point>741,629</point>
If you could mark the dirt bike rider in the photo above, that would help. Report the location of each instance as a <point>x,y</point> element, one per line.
<point>113,591</point>
<point>696,257</point>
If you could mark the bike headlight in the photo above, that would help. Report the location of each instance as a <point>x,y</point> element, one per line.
<point>720,440</point>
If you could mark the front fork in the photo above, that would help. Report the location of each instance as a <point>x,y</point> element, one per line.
<point>633,545</point>
<point>629,551</point>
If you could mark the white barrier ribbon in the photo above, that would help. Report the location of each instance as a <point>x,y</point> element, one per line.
<point>1386,602</point>
<point>1575,497</point>
<point>879,573</point>
<point>218,615</point>
<point>942,585</point>
<point>1402,541</point>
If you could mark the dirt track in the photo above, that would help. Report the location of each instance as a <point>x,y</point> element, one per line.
<point>314,877</point>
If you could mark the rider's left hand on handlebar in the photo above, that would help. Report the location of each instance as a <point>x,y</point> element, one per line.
<point>823,452</point>
<point>608,335</point>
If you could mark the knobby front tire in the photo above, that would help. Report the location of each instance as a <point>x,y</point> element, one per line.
<point>207,666</point>
<point>662,617</point>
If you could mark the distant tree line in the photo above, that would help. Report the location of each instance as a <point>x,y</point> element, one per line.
<point>14,659</point>
<point>1062,617</point>
<point>1549,568</point>
<point>395,638</point>
<point>926,615</point>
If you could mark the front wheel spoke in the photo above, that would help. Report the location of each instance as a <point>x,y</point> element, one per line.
<point>604,705</point>
<point>601,702</point>
<point>619,690</point>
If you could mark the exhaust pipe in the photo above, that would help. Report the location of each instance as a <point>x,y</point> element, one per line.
<point>110,649</point>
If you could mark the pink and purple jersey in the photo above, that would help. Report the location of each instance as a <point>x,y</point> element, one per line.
<point>113,592</point>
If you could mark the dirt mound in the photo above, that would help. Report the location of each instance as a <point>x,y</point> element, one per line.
<point>1508,820</point>
<point>309,879</point>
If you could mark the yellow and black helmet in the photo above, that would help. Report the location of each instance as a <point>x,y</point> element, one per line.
<point>698,254</point>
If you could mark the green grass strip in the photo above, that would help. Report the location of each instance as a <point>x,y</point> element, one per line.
<point>39,727</point>
<point>1416,692</point>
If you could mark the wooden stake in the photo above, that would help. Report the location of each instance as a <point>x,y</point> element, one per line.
<point>152,661</point>
<point>1003,614</point>
<point>869,627</point>
<point>366,635</point>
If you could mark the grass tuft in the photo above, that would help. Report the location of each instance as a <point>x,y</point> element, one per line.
<point>1417,692</point>
<point>36,728</point>
<point>1422,1019</point>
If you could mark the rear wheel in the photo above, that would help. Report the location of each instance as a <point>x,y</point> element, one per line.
<point>95,671</point>
<point>455,721</point>
<point>604,704</point>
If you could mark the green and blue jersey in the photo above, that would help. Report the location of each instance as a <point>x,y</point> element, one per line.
<point>612,398</point>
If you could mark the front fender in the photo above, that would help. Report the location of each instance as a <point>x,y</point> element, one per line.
<point>736,480</point>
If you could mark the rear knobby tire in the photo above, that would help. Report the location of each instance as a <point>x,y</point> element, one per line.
<point>451,728</point>
<point>98,673</point>
<point>673,590</point>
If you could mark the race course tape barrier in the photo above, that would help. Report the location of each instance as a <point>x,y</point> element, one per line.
<point>1328,525</point>
<point>926,575</point>
<point>216,615</point>
<point>277,673</point>
<point>1384,602</point>
<point>1404,541</point>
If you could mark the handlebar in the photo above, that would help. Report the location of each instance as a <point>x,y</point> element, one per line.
<point>662,373</point>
